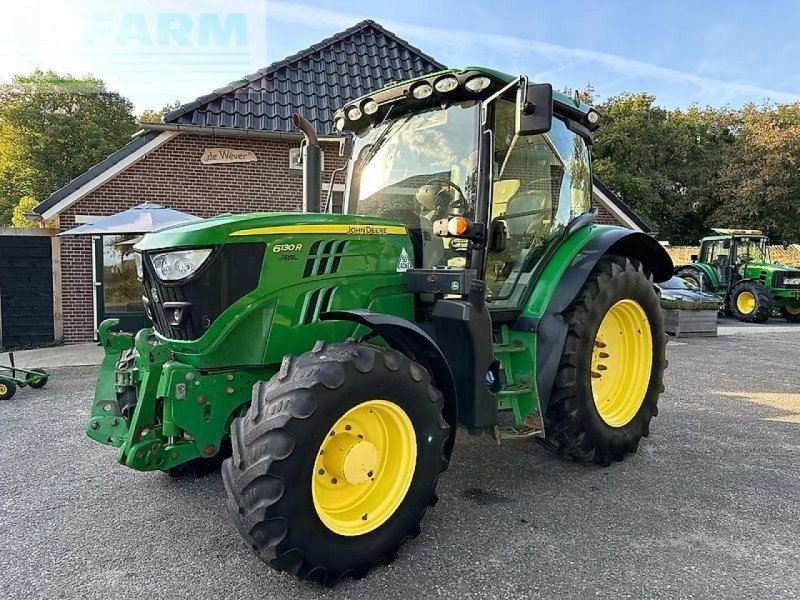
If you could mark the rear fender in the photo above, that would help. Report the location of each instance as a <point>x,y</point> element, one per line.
<point>406,337</point>
<point>551,329</point>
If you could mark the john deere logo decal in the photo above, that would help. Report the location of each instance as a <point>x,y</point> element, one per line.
<point>403,263</point>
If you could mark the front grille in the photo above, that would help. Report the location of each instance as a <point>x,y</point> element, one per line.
<point>786,279</point>
<point>231,271</point>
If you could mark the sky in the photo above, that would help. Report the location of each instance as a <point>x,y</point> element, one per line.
<point>685,52</point>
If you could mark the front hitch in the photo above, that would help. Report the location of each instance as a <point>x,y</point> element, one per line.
<point>106,424</point>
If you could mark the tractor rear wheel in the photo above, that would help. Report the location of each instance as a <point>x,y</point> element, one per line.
<point>696,276</point>
<point>336,461</point>
<point>791,313</point>
<point>7,388</point>
<point>611,371</point>
<point>751,302</point>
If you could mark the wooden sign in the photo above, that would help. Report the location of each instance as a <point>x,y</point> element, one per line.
<point>217,156</point>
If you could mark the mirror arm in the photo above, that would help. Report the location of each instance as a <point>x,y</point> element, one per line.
<point>522,79</point>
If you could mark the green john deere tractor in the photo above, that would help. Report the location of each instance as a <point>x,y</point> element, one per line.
<point>330,358</point>
<point>735,265</point>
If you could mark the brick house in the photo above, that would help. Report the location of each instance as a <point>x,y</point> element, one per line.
<point>170,163</point>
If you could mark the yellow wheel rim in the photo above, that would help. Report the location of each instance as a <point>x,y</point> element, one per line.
<point>364,468</point>
<point>3,388</point>
<point>622,359</point>
<point>691,280</point>
<point>793,310</point>
<point>746,302</point>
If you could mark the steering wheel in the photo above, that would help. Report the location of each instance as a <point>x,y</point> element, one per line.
<point>440,200</point>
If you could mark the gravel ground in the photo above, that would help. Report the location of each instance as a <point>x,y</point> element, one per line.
<point>709,507</point>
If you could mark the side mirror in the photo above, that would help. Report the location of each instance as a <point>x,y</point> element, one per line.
<point>693,257</point>
<point>498,234</point>
<point>534,109</point>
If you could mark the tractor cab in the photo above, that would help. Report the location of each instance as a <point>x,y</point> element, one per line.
<point>729,253</point>
<point>452,148</point>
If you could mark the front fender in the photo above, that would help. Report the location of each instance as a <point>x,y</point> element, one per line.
<point>406,337</point>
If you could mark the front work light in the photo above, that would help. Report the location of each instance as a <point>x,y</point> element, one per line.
<point>370,107</point>
<point>180,264</point>
<point>422,91</point>
<point>446,84</point>
<point>354,113</point>
<point>478,84</point>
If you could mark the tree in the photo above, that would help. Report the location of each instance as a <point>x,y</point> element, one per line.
<point>664,164</point>
<point>25,205</point>
<point>156,116</point>
<point>53,128</point>
<point>760,175</point>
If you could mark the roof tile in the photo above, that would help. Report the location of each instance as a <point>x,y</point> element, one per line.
<point>314,82</point>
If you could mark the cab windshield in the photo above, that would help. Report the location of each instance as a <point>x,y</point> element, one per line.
<point>418,168</point>
<point>751,249</point>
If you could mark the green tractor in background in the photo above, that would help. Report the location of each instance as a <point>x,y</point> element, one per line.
<point>735,265</point>
<point>330,358</point>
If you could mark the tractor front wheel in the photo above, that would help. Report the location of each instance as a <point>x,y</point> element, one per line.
<point>791,313</point>
<point>336,461</point>
<point>751,302</point>
<point>611,371</point>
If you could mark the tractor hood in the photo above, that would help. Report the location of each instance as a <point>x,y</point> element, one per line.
<point>757,267</point>
<point>241,227</point>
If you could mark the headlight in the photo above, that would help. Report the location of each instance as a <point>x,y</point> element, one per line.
<point>180,264</point>
<point>137,259</point>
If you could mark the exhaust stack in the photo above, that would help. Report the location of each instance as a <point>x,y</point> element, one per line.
<point>311,157</point>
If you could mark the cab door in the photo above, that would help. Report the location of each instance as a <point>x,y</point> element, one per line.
<point>539,183</point>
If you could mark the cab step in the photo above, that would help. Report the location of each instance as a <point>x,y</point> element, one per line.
<point>508,348</point>
<point>515,389</point>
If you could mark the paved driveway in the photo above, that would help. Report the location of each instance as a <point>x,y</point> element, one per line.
<point>709,507</point>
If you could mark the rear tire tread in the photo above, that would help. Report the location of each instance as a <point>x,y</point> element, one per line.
<point>569,431</point>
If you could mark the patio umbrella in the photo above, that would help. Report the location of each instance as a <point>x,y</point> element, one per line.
<point>144,218</point>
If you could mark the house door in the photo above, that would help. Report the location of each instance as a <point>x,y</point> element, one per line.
<point>118,293</point>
